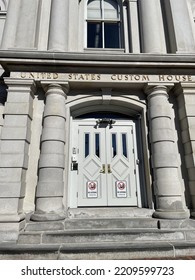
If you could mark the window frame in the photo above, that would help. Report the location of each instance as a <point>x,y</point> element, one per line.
<point>102,21</point>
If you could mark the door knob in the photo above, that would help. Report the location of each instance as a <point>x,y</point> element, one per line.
<point>103,170</point>
<point>109,169</point>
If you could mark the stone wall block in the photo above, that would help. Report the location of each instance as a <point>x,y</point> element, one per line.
<point>20,95</point>
<point>162,134</point>
<point>13,146</point>
<point>51,161</point>
<point>167,187</point>
<point>160,111</point>
<point>13,161</point>
<point>18,109</point>
<point>191,173</point>
<point>189,147</point>
<point>54,122</point>
<point>53,134</point>
<point>192,187</point>
<point>10,205</point>
<point>50,189</point>
<point>11,175</point>
<point>12,189</point>
<point>160,160</point>
<point>50,147</point>
<point>16,133</point>
<point>17,120</point>
<point>190,160</point>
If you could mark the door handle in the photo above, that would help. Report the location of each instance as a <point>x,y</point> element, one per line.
<point>103,170</point>
<point>109,169</point>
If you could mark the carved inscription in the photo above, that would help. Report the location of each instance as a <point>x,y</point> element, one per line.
<point>92,77</point>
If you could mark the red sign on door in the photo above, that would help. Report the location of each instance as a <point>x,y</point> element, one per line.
<point>91,189</point>
<point>121,189</point>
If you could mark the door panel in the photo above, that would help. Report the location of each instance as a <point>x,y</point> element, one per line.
<point>92,189</point>
<point>121,178</point>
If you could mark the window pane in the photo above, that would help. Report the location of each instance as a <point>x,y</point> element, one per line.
<point>111,35</point>
<point>111,9</point>
<point>97,145</point>
<point>124,145</point>
<point>94,35</point>
<point>94,9</point>
<point>86,144</point>
<point>114,147</point>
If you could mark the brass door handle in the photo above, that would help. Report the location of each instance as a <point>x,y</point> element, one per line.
<point>109,169</point>
<point>103,170</point>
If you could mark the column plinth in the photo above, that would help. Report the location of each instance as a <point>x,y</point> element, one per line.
<point>167,182</point>
<point>50,187</point>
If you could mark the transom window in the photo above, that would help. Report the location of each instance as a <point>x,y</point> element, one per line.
<point>103,24</point>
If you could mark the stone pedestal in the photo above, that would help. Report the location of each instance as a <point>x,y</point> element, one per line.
<point>186,104</point>
<point>58,33</point>
<point>15,140</point>
<point>50,187</point>
<point>167,184</point>
<point>152,30</point>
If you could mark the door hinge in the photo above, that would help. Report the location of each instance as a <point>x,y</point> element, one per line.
<point>136,193</point>
<point>134,171</point>
<point>133,151</point>
<point>131,131</point>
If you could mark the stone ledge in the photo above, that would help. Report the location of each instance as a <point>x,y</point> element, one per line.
<point>113,251</point>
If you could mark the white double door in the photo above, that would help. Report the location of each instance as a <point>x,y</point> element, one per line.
<point>107,164</point>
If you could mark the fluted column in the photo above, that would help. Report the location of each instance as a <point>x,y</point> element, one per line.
<point>167,183</point>
<point>9,33</point>
<point>58,32</point>
<point>50,187</point>
<point>151,22</point>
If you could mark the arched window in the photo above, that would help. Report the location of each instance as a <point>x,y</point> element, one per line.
<point>104,24</point>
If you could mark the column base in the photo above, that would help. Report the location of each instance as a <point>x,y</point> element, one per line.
<point>51,216</point>
<point>171,215</point>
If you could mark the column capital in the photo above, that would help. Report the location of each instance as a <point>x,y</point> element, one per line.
<point>25,84</point>
<point>157,89</point>
<point>57,87</point>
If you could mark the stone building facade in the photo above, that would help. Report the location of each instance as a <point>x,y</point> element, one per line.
<point>97,122</point>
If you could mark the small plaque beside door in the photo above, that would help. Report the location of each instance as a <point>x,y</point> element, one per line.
<point>121,189</point>
<point>92,189</point>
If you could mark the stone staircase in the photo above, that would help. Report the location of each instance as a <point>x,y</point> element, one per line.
<point>91,236</point>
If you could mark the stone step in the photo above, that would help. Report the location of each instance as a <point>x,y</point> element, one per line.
<point>123,223</point>
<point>94,251</point>
<point>110,212</point>
<point>105,236</point>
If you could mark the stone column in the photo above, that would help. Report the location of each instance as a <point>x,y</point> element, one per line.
<point>9,33</point>
<point>151,22</point>
<point>186,104</point>
<point>179,26</point>
<point>167,183</point>
<point>133,26</point>
<point>15,140</point>
<point>50,187</point>
<point>58,33</point>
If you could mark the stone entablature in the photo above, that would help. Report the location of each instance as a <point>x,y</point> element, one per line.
<point>114,78</point>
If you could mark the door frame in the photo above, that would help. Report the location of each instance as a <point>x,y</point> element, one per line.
<point>73,184</point>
